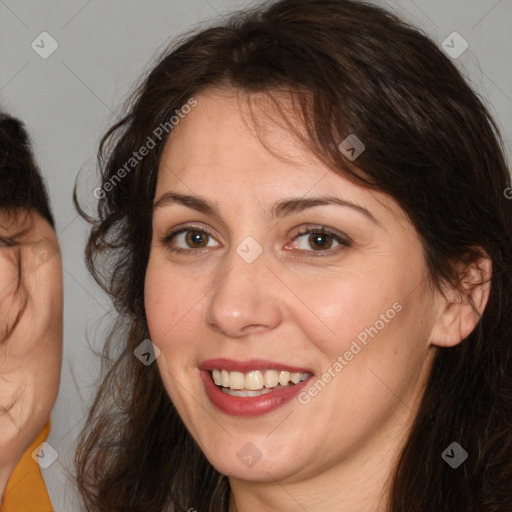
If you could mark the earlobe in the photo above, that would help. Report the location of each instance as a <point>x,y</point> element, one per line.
<point>460,308</point>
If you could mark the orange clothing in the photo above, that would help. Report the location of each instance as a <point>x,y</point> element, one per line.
<point>26,490</point>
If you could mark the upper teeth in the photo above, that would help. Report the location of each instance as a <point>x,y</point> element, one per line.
<point>256,379</point>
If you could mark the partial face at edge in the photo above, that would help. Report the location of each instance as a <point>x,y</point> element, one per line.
<point>31,307</point>
<point>302,302</point>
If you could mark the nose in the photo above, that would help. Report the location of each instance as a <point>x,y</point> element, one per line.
<point>245,299</point>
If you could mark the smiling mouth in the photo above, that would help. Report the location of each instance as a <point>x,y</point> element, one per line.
<point>255,382</point>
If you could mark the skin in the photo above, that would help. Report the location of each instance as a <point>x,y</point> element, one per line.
<point>337,451</point>
<point>31,349</point>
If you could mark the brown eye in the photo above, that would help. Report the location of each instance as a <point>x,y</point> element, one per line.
<point>196,238</point>
<point>188,239</point>
<point>319,240</point>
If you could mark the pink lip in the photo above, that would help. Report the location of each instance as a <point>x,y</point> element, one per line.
<point>251,405</point>
<point>246,366</point>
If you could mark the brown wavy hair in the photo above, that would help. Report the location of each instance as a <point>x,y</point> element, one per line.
<point>431,144</point>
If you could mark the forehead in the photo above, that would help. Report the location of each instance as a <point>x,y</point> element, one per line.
<point>229,125</point>
<point>233,142</point>
<point>239,140</point>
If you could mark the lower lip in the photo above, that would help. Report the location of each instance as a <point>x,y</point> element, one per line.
<point>251,405</point>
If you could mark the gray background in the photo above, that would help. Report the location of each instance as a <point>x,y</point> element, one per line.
<point>69,100</point>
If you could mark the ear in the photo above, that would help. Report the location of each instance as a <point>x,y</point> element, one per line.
<point>460,307</point>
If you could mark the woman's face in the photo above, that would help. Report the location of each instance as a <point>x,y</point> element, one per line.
<point>30,331</point>
<point>259,293</point>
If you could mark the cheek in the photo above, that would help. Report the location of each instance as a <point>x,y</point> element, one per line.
<point>339,308</point>
<point>171,303</point>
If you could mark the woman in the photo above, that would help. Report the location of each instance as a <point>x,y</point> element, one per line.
<point>30,323</point>
<point>304,211</point>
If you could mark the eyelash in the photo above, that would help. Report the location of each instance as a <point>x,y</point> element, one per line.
<point>344,242</point>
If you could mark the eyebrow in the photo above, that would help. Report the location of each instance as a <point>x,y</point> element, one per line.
<point>282,208</point>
